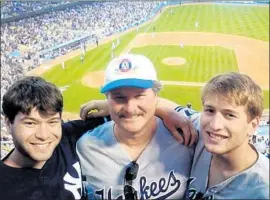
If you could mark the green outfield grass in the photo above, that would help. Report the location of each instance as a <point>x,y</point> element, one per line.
<point>249,21</point>
<point>202,62</point>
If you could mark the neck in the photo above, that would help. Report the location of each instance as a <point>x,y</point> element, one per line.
<point>235,161</point>
<point>18,160</point>
<point>135,142</point>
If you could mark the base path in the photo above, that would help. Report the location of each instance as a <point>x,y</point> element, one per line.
<point>174,61</point>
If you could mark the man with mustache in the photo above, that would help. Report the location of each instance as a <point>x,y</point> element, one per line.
<point>133,156</point>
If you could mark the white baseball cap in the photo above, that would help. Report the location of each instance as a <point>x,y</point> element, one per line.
<point>129,70</point>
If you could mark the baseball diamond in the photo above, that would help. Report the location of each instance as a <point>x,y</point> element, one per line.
<point>228,37</point>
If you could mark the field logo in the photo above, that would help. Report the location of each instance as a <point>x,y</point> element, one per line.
<point>73,184</point>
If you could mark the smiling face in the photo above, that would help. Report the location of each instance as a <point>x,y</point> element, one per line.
<point>35,136</point>
<point>225,126</point>
<point>132,108</point>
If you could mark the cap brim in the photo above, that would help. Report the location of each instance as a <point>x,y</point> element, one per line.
<point>137,83</point>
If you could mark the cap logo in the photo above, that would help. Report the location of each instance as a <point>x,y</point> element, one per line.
<point>125,65</point>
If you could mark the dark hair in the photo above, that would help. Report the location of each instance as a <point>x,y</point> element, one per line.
<point>32,92</point>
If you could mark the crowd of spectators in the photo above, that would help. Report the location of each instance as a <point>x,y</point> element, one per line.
<point>6,139</point>
<point>261,142</point>
<point>15,8</point>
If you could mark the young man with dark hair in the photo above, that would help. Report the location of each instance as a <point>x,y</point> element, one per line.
<point>43,165</point>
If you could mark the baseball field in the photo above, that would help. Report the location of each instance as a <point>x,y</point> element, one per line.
<point>188,44</point>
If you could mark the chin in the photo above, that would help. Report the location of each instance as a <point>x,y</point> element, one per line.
<point>132,129</point>
<point>42,157</point>
<point>215,149</point>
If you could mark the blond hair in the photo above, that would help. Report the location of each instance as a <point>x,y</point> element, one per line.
<point>237,88</point>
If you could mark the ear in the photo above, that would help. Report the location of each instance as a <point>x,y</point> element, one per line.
<point>107,95</point>
<point>156,101</point>
<point>254,123</point>
<point>8,124</point>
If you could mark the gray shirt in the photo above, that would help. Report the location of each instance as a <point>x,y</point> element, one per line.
<point>252,183</point>
<point>164,165</point>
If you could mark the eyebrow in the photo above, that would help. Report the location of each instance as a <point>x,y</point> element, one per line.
<point>231,111</point>
<point>208,106</point>
<point>139,90</point>
<point>226,110</point>
<point>33,119</point>
<point>116,93</point>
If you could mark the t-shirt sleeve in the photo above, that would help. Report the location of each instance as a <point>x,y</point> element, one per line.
<point>76,128</point>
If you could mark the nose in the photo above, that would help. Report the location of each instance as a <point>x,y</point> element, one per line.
<point>216,122</point>
<point>43,132</point>
<point>130,106</point>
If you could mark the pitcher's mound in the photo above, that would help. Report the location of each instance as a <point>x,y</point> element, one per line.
<point>174,61</point>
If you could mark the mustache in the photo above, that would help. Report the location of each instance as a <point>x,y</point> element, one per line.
<point>125,114</point>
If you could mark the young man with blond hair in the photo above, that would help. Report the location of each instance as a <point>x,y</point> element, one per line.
<point>225,164</point>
